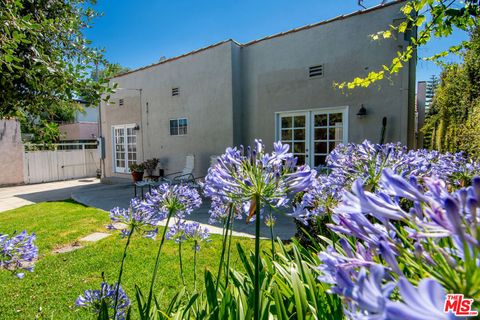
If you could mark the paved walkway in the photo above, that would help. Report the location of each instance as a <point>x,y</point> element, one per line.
<point>92,193</point>
<point>18,196</point>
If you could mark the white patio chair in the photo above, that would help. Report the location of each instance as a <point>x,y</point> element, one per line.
<point>184,176</point>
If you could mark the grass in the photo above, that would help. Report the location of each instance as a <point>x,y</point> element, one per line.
<point>50,291</point>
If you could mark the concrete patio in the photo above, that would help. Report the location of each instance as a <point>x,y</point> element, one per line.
<point>92,193</point>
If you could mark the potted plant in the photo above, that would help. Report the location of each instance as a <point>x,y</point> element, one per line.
<point>137,171</point>
<point>150,165</point>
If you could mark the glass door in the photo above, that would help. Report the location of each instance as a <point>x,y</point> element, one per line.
<point>313,134</point>
<point>293,130</point>
<point>327,133</point>
<point>124,147</point>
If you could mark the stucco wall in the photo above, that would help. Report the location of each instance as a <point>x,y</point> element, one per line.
<point>79,131</point>
<point>11,153</point>
<point>275,77</point>
<point>114,114</point>
<point>205,84</point>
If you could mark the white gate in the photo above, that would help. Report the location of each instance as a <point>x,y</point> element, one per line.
<point>60,162</point>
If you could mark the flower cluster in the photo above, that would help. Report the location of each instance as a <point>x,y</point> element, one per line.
<point>183,231</point>
<point>366,161</point>
<point>136,218</point>
<point>420,234</point>
<point>18,252</point>
<point>178,199</point>
<point>239,175</point>
<point>94,299</point>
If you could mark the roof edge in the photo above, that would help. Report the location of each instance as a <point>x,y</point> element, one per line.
<point>309,26</point>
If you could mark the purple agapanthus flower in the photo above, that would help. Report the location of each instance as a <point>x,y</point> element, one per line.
<point>182,231</point>
<point>239,175</point>
<point>179,199</point>
<point>136,218</point>
<point>18,252</point>
<point>426,302</point>
<point>93,300</point>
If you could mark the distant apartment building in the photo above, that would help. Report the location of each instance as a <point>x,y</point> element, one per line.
<point>275,88</point>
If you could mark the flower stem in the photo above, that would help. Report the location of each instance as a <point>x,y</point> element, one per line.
<point>195,266</point>
<point>228,253</point>
<point>273,243</point>
<point>256,308</point>
<point>225,235</point>
<point>121,271</point>
<point>157,263</point>
<point>181,264</point>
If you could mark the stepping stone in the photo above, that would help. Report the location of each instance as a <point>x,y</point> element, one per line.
<point>68,248</point>
<point>96,236</point>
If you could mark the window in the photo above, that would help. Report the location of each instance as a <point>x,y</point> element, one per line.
<point>315,71</point>
<point>120,102</point>
<point>178,127</point>
<point>175,91</point>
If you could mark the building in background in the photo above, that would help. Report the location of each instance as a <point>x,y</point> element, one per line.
<point>83,128</point>
<point>275,88</point>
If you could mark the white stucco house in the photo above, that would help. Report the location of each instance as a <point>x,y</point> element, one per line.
<point>276,88</point>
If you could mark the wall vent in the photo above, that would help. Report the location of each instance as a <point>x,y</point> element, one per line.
<point>315,71</point>
<point>120,102</point>
<point>175,92</point>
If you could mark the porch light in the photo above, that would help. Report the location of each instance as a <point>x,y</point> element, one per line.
<point>362,112</point>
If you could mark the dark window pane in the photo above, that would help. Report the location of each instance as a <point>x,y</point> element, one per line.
<point>320,160</point>
<point>286,122</point>
<point>286,135</point>
<point>321,134</point>
<point>335,118</point>
<point>182,122</point>
<point>299,122</point>
<point>301,159</point>
<point>320,120</point>
<point>321,147</point>
<point>299,147</point>
<point>299,134</point>
<point>332,146</point>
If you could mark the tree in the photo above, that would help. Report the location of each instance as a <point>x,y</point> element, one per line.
<point>432,85</point>
<point>454,118</point>
<point>45,61</point>
<point>424,20</point>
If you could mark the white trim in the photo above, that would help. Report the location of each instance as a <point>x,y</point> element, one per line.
<point>309,113</point>
<point>116,169</point>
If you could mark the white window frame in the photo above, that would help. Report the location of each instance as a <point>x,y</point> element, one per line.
<point>309,119</point>
<point>178,127</point>
<point>116,169</point>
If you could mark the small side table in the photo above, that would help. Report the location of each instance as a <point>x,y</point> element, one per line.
<point>141,185</point>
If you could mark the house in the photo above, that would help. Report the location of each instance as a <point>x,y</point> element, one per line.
<point>275,88</point>
<point>84,126</point>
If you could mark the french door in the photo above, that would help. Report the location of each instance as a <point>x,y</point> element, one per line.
<point>313,134</point>
<point>124,147</point>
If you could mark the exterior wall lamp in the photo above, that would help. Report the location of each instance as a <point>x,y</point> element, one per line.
<point>362,112</point>
<point>137,127</point>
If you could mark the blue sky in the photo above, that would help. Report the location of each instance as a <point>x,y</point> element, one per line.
<point>138,32</point>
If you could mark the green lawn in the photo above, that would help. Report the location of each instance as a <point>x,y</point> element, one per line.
<point>50,291</point>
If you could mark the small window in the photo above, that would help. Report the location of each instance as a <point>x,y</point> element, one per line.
<point>120,102</point>
<point>178,127</point>
<point>175,91</point>
<point>315,71</point>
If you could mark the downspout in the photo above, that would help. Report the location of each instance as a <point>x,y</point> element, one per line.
<point>412,79</point>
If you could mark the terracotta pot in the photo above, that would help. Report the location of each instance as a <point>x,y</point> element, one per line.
<point>137,176</point>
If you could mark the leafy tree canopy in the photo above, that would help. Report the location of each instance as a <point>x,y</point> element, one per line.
<point>454,118</point>
<point>46,62</point>
<point>432,19</point>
